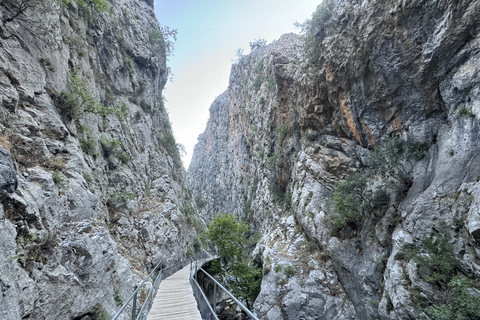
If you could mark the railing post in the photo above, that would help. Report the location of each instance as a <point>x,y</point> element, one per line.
<point>215,298</point>
<point>134,305</point>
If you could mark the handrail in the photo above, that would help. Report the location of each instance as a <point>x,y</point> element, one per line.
<point>205,298</point>
<point>216,283</point>
<point>155,284</point>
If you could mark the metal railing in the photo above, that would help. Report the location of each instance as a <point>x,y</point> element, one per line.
<point>197,288</point>
<point>156,280</point>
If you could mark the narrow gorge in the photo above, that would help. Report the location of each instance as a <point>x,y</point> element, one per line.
<point>351,151</point>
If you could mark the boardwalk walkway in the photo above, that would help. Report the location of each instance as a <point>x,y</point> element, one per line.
<point>174,299</point>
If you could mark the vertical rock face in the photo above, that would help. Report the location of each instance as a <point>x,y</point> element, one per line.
<point>286,131</point>
<point>93,199</point>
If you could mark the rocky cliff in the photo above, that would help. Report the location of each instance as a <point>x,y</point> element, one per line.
<point>301,115</point>
<point>93,193</point>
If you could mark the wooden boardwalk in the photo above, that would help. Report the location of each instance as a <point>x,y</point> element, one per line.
<point>174,299</point>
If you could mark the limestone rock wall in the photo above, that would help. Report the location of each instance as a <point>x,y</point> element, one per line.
<point>99,187</point>
<point>285,131</point>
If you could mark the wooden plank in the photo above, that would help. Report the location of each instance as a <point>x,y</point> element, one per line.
<point>174,299</point>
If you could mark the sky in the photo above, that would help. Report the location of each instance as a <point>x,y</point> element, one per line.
<point>209,34</point>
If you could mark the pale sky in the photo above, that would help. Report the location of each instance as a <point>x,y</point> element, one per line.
<point>209,34</point>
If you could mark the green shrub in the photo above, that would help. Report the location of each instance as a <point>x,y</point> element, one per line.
<point>88,145</point>
<point>459,296</point>
<point>114,147</point>
<point>145,106</point>
<point>289,270</point>
<point>259,66</point>
<point>281,197</point>
<point>271,84</point>
<point>79,99</point>
<point>351,199</point>
<point>463,111</point>
<point>58,177</point>
<point>257,83</point>
<point>117,297</point>
<point>99,5</point>
<point>99,313</point>
<point>393,159</point>
<point>155,37</point>
<point>313,29</point>
<point>392,162</point>
<point>282,132</point>
<point>122,197</point>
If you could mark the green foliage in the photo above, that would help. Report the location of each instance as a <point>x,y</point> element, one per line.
<point>463,111</point>
<point>394,159</point>
<point>259,66</point>
<point>155,37</point>
<point>99,313</point>
<point>313,30</point>
<point>248,279</point>
<point>392,162</point>
<point>460,297</point>
<point>189,212</point>
<point>79,99</point>
<point>282,132</point>
<point>230,237</point>
<point>281,197</point>
<point>435,255</point>
<point>215,267</point>
<point>351,199</point>
<point>288,269</point>
<point>271,84</point>
<point>122,197</point>
<point>58,177</point>
<point>200,202</point>
<point>257,83</point>
<point>88,145</point>
<point>114,147</point>
<point>272,161</point>
<point>169,144</point>
<point>99,5</point>
<point>117,297</point>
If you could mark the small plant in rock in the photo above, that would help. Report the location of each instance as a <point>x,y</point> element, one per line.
<point>48,64</point>
<point>271,84</point>
<point>281,197</point>
<point>156,38</point>
<point>117,297</point>
<point>114,147</point>
<point>99,313</point>
<point>58,177</point>
<point>257,83</point>
<point>463,111</point>
<point>88,145</point>
<point>282,132</point>
<point>99,5</point>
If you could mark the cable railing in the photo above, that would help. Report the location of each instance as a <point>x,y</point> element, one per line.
<point>212,307</point>
<point>147,303</point>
